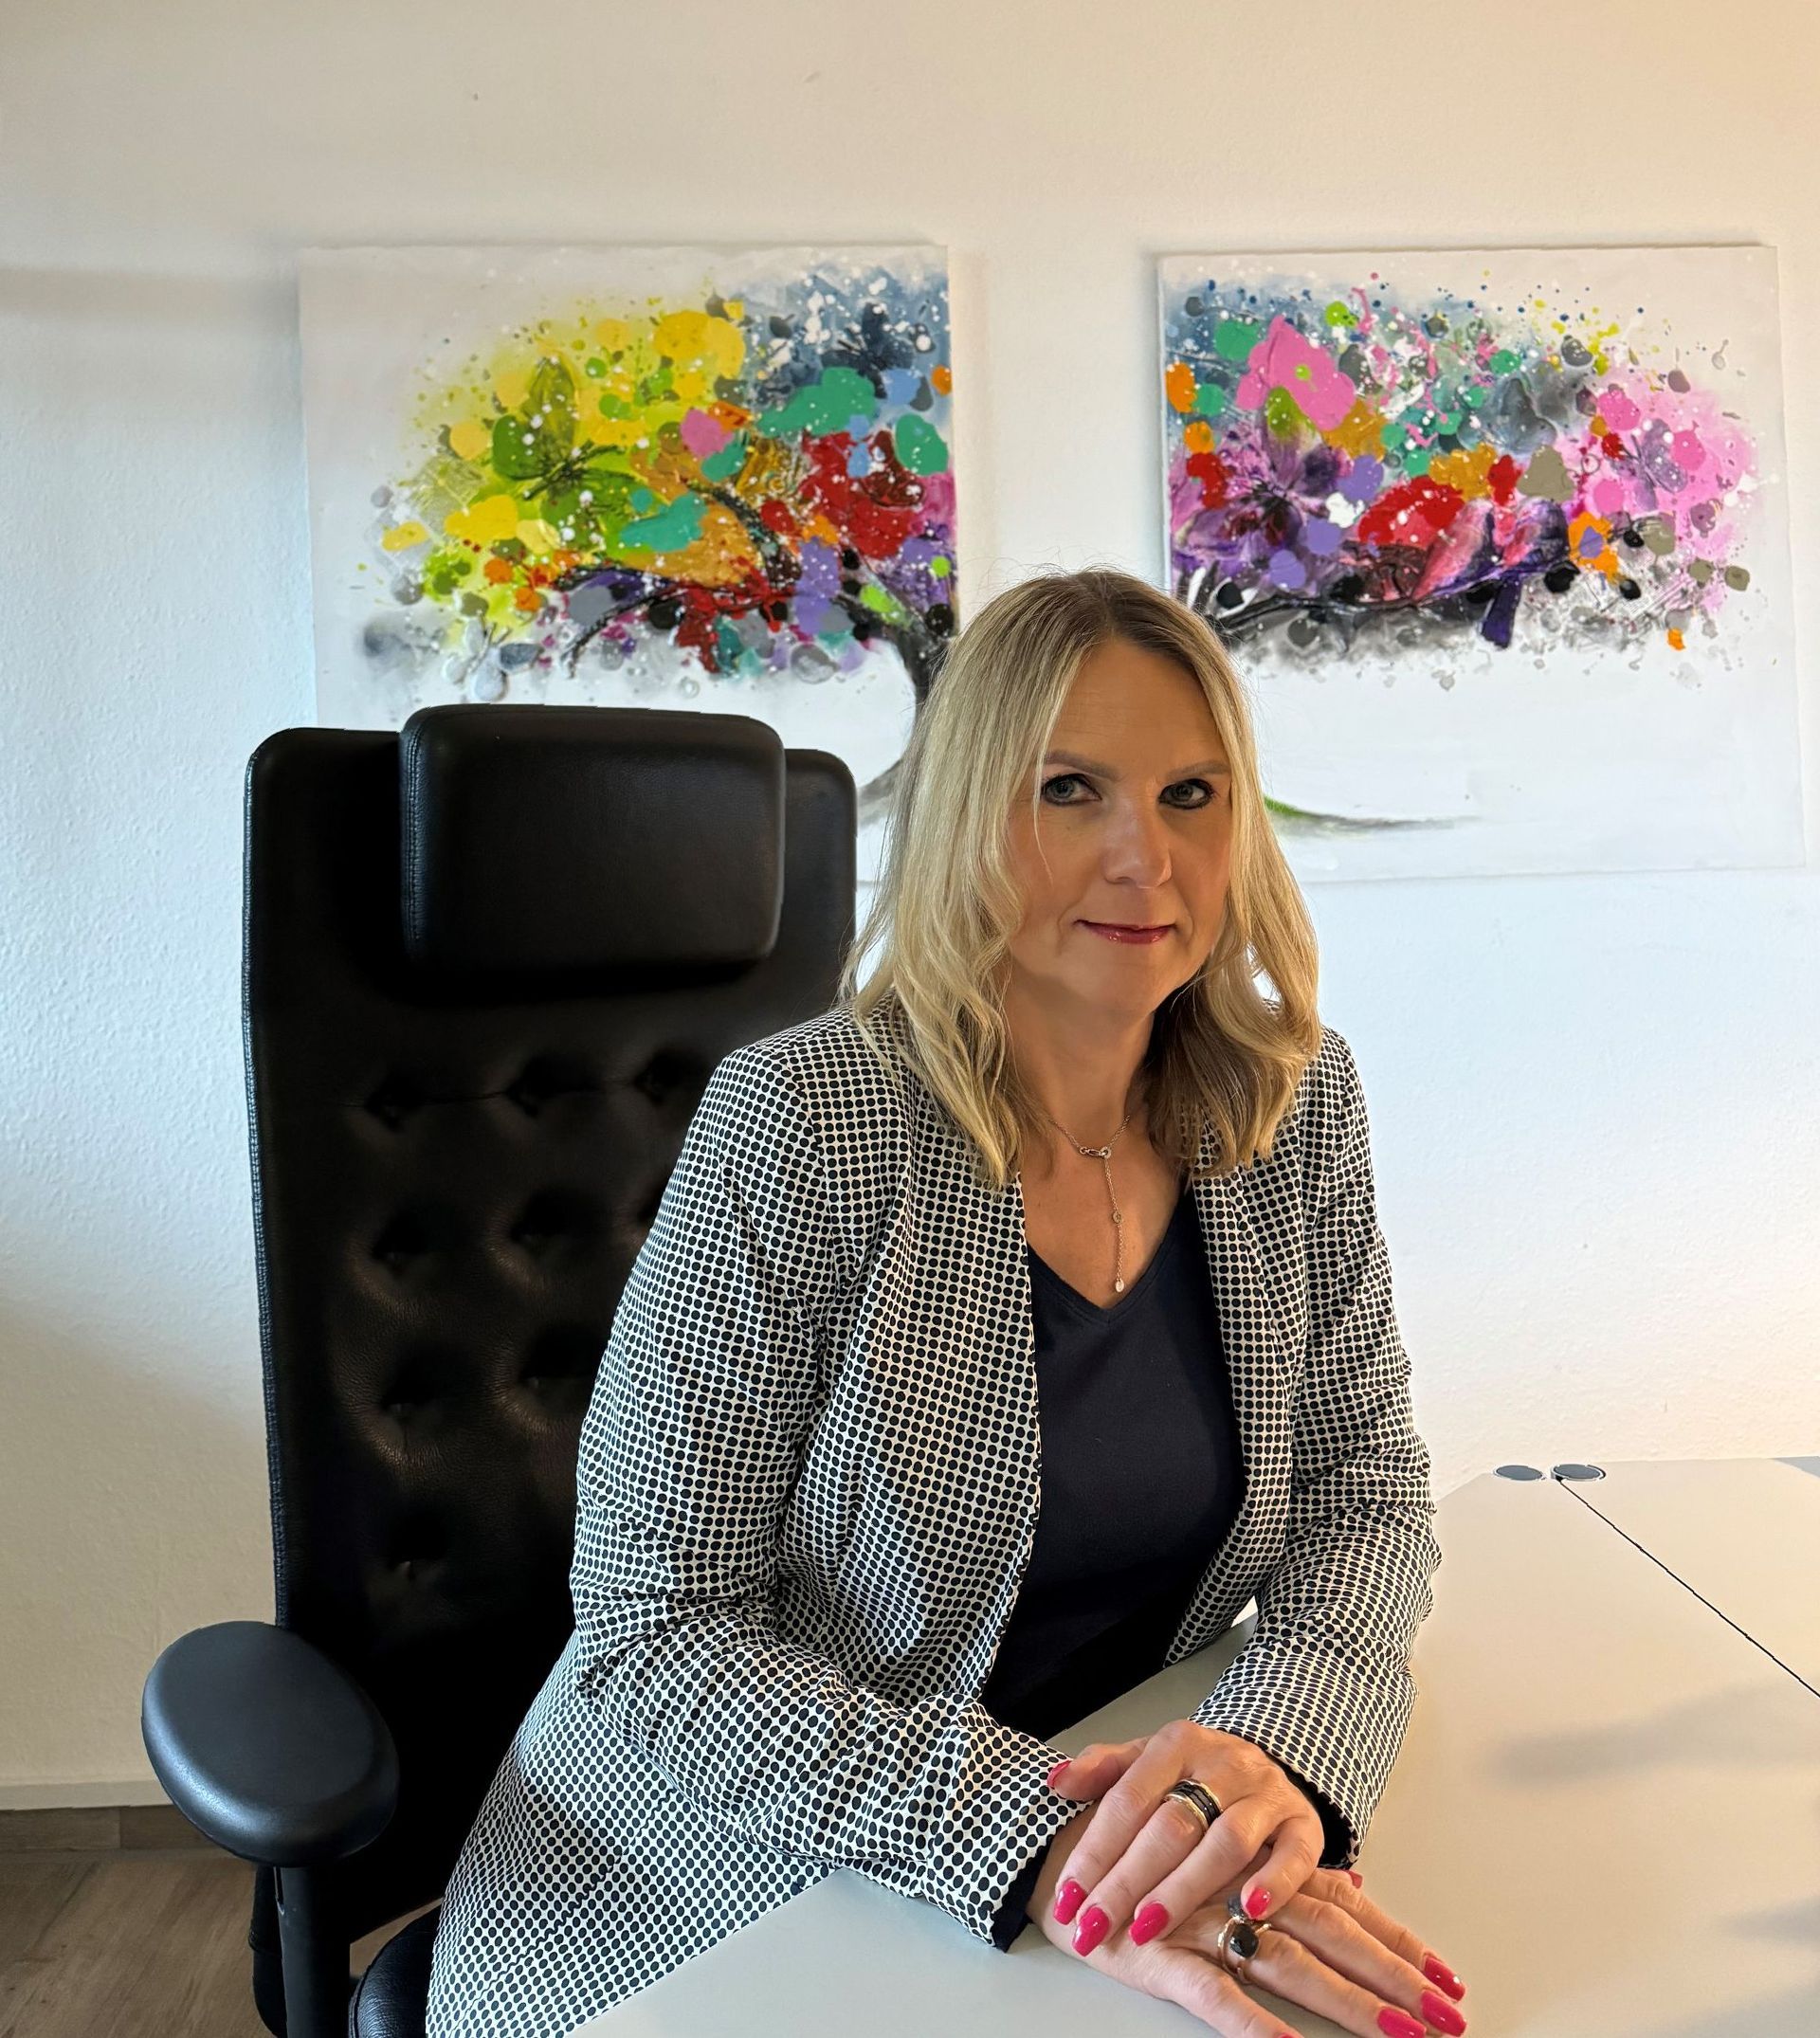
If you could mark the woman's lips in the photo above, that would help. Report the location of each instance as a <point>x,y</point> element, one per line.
<point>1112,932</point>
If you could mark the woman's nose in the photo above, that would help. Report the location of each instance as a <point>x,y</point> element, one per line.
<point>1136,847</point>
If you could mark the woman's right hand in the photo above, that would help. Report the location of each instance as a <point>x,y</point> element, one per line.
<point>1330,1949</point>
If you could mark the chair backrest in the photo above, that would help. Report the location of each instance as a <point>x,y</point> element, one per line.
<point>490,962</point>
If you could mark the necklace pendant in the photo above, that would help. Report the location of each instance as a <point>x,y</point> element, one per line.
<point>1118,1287</point>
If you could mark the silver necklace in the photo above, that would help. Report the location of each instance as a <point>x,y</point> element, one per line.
<point>1103,1156</point>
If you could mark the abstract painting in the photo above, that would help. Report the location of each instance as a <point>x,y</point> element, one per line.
<point>680,478</point>
<point>1498,541</point>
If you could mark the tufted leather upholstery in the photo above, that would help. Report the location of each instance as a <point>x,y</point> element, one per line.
<point>388,2000</point>
<point>490,962</point>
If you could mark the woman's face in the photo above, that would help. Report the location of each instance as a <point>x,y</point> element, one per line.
<point>1134,830</point>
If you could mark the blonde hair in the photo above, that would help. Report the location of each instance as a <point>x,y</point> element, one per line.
<point>1222,1053</point>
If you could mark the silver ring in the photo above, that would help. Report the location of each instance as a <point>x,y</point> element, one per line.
<point>1198,1795</point>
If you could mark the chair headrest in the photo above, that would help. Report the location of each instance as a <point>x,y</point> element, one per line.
<point>537,838</point>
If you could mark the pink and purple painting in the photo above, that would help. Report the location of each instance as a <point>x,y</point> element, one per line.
<point>658,477</point>
<point>1499,540</point>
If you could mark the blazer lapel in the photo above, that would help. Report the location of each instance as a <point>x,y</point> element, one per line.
<point>1261,1359</point>
<point>1259,1364</point>
<point>992,1336</point>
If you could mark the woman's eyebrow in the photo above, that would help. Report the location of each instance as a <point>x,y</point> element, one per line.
<point>1217,765</point>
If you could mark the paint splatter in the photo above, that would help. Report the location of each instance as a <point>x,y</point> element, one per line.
<point>1340,457</point>
<point>762,481</point>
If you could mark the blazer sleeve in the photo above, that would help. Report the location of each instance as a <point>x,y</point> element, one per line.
<point>1323,1685</point>
<point>1014,1912</point>
<point>708,1387</point>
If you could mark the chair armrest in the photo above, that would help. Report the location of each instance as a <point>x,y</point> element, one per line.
<point>266,1746</point>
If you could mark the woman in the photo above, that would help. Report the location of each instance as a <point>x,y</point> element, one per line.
<point>927,1426</point>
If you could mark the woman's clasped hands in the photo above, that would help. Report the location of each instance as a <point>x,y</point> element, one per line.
<point>1140,1886</point>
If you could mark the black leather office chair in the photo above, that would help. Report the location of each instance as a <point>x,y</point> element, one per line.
<point>490,962</point>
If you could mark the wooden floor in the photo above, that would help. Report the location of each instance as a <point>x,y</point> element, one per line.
<point>142,1938</point>
<point>143,1942</point>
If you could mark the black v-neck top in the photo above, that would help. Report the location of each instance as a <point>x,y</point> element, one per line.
<point>1142,1478</point>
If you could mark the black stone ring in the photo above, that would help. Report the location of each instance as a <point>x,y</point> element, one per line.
<point>1234,1944</point>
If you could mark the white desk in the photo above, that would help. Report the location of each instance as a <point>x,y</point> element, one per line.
<point>1589,1741</point>
<point>1743,1533</point>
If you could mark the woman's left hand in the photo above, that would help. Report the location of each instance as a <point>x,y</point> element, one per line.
<point>1142,1852</point>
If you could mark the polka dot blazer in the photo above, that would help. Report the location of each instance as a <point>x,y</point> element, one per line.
<point>807,1491</point>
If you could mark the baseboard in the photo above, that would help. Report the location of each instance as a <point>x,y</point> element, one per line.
<point>61,1796</point>
<point>115,1828</point>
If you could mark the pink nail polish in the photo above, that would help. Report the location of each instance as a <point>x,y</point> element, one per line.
<point>1056,1774</point>
<point>1092,1929</point>
<point>1443,1977</point>
<point>1150,1921</point>
<point>1068,1898</point>
<point>1397,2024</point>
<point>1257,1903</point>
<point>1442,2014</point>
<point>1358,1883</point>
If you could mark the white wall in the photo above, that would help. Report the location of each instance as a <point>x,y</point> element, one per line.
<point>1594,1099</point>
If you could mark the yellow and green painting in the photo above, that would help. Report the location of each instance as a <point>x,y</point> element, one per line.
<point>664,478</point>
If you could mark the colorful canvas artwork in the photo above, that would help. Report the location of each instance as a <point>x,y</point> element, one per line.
<point>682,477</point>
<point>1499,542</point>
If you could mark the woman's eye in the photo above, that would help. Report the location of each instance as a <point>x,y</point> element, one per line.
<point>1074,778</point>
